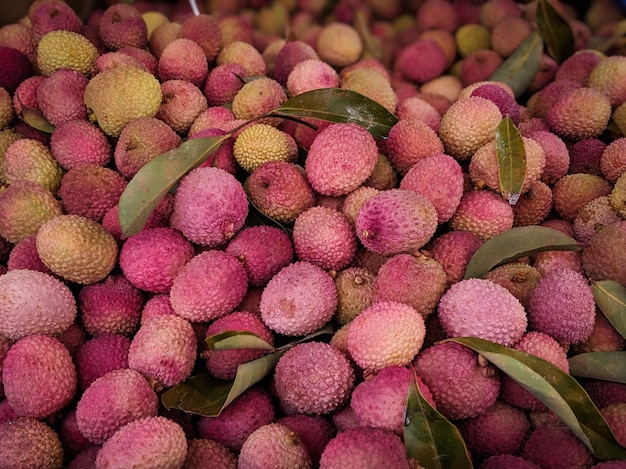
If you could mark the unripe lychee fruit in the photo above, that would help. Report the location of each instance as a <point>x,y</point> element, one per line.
<point>223,363</point>
<point>607,76</point>
<point>287,306</point>
<point>467,125</point>
<point>117,96</point>
<point>396,221</point>
<point>65,49</point>
<point>259,143</point>
<point>371,83</point>
<point>113,400</point>
<point>44,448</point>
<point>274,445</point>
<point>340,159</point>
<point>32,160</point>
<point>562,305</point>
<point>38,376</point>
<point>209,285</point>
<point>149,441</point>
<point>164,350</point>
<point>210,206</point>
<point>244,54</point>
<point>77,249</point>
<point>339,44</point>
<point>461,384</point>
<point>34,303</point>
<point>313,378</point>
<point>280,190</point>
<point>363,447</point>
<point>375,340</point>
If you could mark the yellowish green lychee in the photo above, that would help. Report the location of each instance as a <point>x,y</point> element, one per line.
<point>259,143</point>
<point>65,49</point>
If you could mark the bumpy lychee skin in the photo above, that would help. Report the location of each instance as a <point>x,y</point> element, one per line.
<point>446,193</point>
<point>324,236</point>
<point>164,350</point>
<point>244,54</point>
<point>65,49</point>
<point>158,305</point>
<point>501,429</point>
<point>593,217</point>
<point>258,97</point>
<point>274,445</point>
<point>77,248</point>
<point>313,378</point>
<point>501,97</point>
<point>26,205</point>
<point>371,83</point>
<point>210,206</point>
<point>375,340</point>
<point>416,280</point>
<point>409,142</point>
<point>339,45</point>
<point>51,16</point>
<point>205,31</point>
<point>79,142</point>
<point>159,217</point>
<point>557,447</point>
<point>113,400</point>
<point>99,355</point>
<point>140,141</point>
<point>24,256</point>
<point>314,432</point>
<point>32,160</point>
<point>110,60</point>
<point>540,345</point>
<point>259,143</point>
<point>44,448</point>
<point>612,161</point>
<point>299,299</point>
<point>606,77</point>
<point>340,159</point>
<point>91,191</point>
<point>579,113</point>
<point>461,386</point>
<point>253,409</point>
<point>355,287</point>
<point>182,103</point>
<point>117,96</point>
<point>363,446</point>
<point>183,59</point>
<point>453,250</point>
<point>562,306</point>
<point>414,107</point>
<point>311,74</point>
<point>112,305</point>
<point>152,258</point>
<point>604,256</point>
<point>483,213</point>
<point>203,453</point>
<point>38,376</point>
<point>60,96</point>
<point>396,221</point>
<point>421,61</point>
<point>289,55</point>
<point>603,338</point>
<point>223,363</point>
<point>222,83</point>
<point>34,303</point>
<point>263,250</point>
<point>579,65</point>
<point>573,191</point>
<point>209,285</point>
<point>507,460</point>
<point>518,278</point>
<point>122,25</point>
<point>149,441</point>
<point>481,308</point>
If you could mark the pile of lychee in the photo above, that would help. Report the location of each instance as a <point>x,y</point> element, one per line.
<point>341,248</point>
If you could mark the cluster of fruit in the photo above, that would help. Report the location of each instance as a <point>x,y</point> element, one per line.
<point>211,255</point>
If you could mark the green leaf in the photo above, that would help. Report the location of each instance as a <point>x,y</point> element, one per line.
<point>157,177</point>
<point>557,390</point>
<point>516,243</point>
<point>609,366</point>
<point>430,439</point>
<point>555,31</point>
<point>610,297</point>
<point>208,396</point>
<point>232,340</point>
<point>519,69</point>
<point>340,106</point>
<point>511,156</point>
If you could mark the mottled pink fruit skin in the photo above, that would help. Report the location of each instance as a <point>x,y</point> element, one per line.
<point>291,54</point>
<point>363,447</point>
<point>122,25</point>
<point>16,68</point>
<point>210,206</point>
<point>210,285</point>
<point>164,350</point>
<point>313,378</point>
<point>223,83</point>
<point>79,142</point>
<point>263,250</point>
<point>113,400</point>
<point>38,376</point>
<point>421,61</point>
<point>453,250</point>
<point>152,258</point>
<point>148,441</point>
<point>222,158</point>
<point>223,363</point>
<point>300,299</point>
<point>112,305</point>
<point>509,461</point>
<point>483,213</point>
<point>314,431</point>
<point>396,221</point>
<point>340,159</point>
<point>556,447</point>
<point>99,355</point>
<point>60,96</point>
<point>253,409</point>
<point>504,100</point>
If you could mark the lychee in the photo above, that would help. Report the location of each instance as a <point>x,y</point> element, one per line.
<point>339,44</point>
<point>223,83</point>
<point>30,159</point>
<point>24,256</point>
<point>79,142</point>
<point>63,49</point>
<point>534,206</point>
<point>567,120</point>
<point>556,446</point>
<point>288,56</point>
<point>60,96</point>
<point>182,103</point>
<point>183,59</point>
<point>99,355</point>
<point>309,75</point>
<point>573,191</point>
<point>246,55</point>
<point>44,448</point>
<point>421,61</point>
<point>122,25</point>
<point>259,143</point>
<point>274,445</point>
